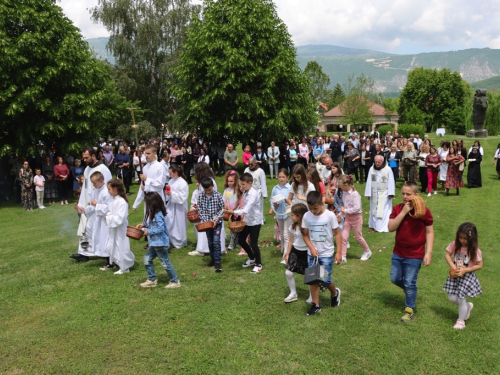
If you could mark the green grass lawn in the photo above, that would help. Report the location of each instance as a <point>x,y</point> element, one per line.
<point>58,316</point>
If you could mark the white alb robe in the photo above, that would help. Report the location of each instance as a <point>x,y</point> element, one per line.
<point>155,181</point>
<point>202,241</point>
<point>443,168</point>
<point>84,201</point>
<point>118,244</point>
<point>96,229</point>
<point>380,224</point>
<point>177,207</point>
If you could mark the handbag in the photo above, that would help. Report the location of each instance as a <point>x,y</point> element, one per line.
<point>315,274</point>
<point>461,167</point>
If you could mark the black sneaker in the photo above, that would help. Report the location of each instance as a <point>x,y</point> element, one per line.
<point>313,310</point>
<point>211,263</point>
<point>335,299</point>
<point>218,267</point>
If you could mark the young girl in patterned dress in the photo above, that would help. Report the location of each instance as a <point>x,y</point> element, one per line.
<point>232,197</point>
<point>464,259</point>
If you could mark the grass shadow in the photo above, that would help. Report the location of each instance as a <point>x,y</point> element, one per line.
<point>390,299</point>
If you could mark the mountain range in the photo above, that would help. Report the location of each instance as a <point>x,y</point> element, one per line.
<point>389,71</point>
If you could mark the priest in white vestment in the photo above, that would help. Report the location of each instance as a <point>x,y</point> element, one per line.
<point>380,189</point>
<point>85,231</point>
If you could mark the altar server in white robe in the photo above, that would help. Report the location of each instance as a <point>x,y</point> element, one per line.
<point>85,231</point>
<point>380,189</point>
<point>153,177</point>
<point>202,241</point>
<point>259,181</point>
<point>118,244</point>
<point>177,207</point>
<point>95,212</point>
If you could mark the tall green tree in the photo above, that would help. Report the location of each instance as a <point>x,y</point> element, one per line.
<point>434,97</point>
<point>335,96</point>
<point>238,78</point>
<point>318,82</point>
<point>145,37</point>
<point>360,95</point>
<point>52,90</point>
<point>492,122</point>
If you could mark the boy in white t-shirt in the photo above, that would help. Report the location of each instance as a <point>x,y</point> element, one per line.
<point>39,182</point>
<point>319,226</point>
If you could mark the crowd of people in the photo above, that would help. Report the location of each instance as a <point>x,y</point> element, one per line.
<point>315,204</point>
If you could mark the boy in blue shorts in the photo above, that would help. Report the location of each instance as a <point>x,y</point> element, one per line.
<point>319,226</point>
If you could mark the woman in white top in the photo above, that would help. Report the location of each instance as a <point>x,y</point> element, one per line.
<point>443,168</point>
<point>300,187</point>
<point>203,156</point>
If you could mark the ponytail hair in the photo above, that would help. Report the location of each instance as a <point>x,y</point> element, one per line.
<point>118,184</point>
<point>179,170</point>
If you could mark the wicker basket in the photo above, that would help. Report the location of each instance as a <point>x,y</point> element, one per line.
<point>226,217</point>
<point>134,233</point>
<point>203,227</point>
<point>418,204</point>
<point>193,216</point>
<point>236,226</point>
<point>329,201</point>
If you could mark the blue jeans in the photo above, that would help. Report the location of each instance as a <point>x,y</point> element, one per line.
<point>213,237</point>
<point>162,253</point>
<point>404,273</point>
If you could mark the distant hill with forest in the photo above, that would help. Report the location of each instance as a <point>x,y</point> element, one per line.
<point>480,67</point>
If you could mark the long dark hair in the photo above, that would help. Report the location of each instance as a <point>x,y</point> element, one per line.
<point>202,170</point>
<point>118,184</point>
<point>300,170</point>
<point>315,178</point>
<point>154,204</point>
<point>179,170</point>
<point>470,231</point>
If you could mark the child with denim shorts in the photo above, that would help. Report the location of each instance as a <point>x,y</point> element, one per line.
<point>319,227</point>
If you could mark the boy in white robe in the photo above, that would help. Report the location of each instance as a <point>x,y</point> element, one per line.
<point>177,207</point>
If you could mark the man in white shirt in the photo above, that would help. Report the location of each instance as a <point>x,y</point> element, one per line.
<point>273,154</point>
<point>153,177</point>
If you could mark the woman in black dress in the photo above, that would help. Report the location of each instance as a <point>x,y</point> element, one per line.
<point>50,180</point>
<point>474,171</point>
<point>187,162</point>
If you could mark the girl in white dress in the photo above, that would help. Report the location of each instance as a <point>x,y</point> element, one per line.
<point>118,244</point>
<point>176,196</point>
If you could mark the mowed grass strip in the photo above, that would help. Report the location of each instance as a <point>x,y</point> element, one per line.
<point>59,316</point>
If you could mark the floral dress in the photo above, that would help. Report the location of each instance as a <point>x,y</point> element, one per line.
<point>454,178</point>
<point>27,194</point>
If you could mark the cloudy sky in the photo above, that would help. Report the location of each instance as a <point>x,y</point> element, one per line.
<point>396,26</point>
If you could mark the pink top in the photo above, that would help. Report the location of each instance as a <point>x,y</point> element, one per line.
<point>462,259</point>
<point>61,170</point>
<point>352,202</point>
<point>304,150</point>
<point>246,157</point>
<point>322,188</point>
<point>39,180</point>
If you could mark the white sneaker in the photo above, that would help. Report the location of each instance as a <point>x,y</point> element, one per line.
<point>348,245</point>
<point>256,269</point>
<point>282,261</point>
<point>121,272</point>
<point>248,263</point>
<point>429,194</point>
<point>149,284</point>
<point>290,298</point>
<point>344,260</point>
<point>435,192</point>
<point>196,253</point>
<point>366,255</point>
<point>171,285</point>
<point>309,300</point>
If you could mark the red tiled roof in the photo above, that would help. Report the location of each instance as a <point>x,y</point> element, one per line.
<point>324,106</point>
<point>375,108</point>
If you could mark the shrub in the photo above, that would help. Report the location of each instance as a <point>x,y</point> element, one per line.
<point>406,129</point>
<point>384,129</point>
